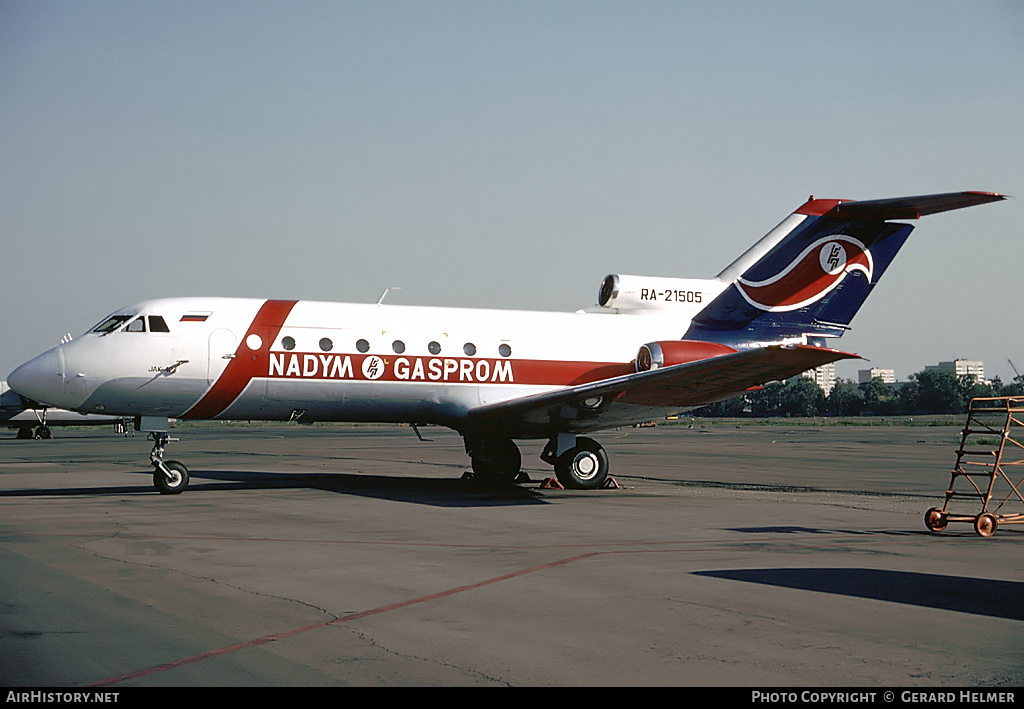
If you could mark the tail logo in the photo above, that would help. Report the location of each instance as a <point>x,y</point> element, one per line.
<point>833,257</point>
<point>807,279</point>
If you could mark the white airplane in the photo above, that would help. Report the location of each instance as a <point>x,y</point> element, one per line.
<point>35,420</point>
<point>652,347</point>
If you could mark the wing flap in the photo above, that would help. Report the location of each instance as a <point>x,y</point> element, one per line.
<point>654,394</point>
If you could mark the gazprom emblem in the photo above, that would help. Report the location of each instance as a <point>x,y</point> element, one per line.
<point>373,367</point>
<point>832,257</point>
<point>810,276</point>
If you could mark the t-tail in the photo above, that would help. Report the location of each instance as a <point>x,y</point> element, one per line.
<point>808,277</point>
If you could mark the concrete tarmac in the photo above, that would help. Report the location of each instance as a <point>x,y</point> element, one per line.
<point>757,556</point>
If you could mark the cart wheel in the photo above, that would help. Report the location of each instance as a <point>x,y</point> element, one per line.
<point>935,519</point>
<point>985,524</point>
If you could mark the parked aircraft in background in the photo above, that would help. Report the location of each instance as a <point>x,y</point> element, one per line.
<point>35,420</point>
<point>652,347</point>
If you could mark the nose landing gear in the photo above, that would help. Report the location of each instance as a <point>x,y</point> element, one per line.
<point>170,477</point>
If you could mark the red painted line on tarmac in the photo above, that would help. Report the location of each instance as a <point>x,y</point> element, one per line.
<point>770,544</point>
<point>343,619</point>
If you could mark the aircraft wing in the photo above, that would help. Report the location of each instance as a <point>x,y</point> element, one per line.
<point>649,395</point>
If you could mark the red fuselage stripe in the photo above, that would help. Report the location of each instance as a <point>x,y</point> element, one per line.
<point>250,363</point>
<point>322,366</point>
<point>246,364</point>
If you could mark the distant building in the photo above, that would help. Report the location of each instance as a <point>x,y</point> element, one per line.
<point>960,367</point>
<point>824,376</point>
<point>888,376</point>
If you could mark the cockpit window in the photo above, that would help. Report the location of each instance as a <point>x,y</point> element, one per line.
<point>112,323</point>
<point>136,325</point>
<point>158,324</point>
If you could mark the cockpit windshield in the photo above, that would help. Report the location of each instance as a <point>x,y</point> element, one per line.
<point>112,323</point>
<point>137,324</point>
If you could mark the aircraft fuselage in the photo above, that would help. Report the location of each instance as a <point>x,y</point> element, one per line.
<point>223,358</point>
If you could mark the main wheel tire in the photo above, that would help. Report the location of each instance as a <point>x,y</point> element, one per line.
<point>583,467</point>
<point>176,483</point>
<point>497,463</point>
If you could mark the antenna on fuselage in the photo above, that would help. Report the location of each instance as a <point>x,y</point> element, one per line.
<point>386,291</point>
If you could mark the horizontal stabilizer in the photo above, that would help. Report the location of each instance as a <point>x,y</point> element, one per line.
<point>911,207</point>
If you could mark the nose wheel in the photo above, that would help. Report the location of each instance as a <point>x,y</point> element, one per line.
<point>170,477</point>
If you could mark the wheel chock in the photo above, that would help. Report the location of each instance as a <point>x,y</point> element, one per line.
<point>551,484</point>
<point>611,484</point>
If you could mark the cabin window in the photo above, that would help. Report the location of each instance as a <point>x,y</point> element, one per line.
<point>158,324</point>
<point>363,346</point>
<point>434,348</point>
<point>504,350</point>
<point>469,348</point>
<point>326,345</point>
<point>288,342</point>
<point>398,347</point>
<point>112,323</point>
<point>137,325</point>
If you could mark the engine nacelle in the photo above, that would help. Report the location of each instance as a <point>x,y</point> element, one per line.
<point>655,355</point>
<point>687,295</point>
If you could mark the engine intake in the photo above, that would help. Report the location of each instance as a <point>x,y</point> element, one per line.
<point>655,355</point>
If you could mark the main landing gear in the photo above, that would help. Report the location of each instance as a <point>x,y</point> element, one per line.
<point>496,461</point>
<point>580,463</point>
<point>42,432</point>
<point>170,477</point>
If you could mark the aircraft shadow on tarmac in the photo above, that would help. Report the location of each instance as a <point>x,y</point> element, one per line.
<point>997,599</point>
<point>439,492</point>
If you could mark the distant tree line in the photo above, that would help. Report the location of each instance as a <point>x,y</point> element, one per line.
<point>929,392</point>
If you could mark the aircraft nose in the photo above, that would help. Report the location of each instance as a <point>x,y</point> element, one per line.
<point>40,379</point>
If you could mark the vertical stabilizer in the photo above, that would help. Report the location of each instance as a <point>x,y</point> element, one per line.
<point>810,275</point>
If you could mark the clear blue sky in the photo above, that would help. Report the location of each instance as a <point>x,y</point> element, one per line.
<point>501,154</point>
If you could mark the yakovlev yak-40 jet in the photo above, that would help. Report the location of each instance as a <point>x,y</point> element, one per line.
<point>652,347</point>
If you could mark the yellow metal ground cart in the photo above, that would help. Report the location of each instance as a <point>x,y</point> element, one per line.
<point>991,452</point>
